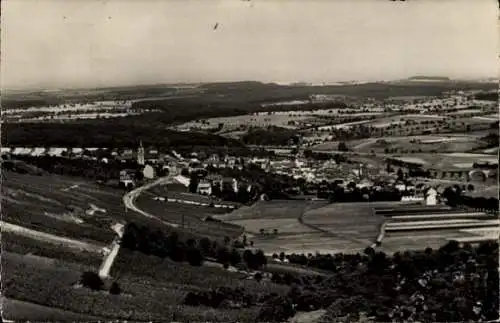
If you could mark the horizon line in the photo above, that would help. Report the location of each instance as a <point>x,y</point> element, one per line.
<point>281,83</point>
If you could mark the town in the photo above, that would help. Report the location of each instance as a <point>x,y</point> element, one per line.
<point>171,162</point>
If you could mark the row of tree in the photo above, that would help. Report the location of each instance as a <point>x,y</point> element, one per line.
<point>155,242</point>
<point>352,193</point>
<point>455,197</point>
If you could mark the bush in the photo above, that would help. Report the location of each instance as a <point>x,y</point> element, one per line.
<point>194,257</point>
<point>223,255</point>
<point>276,309</point>
<point>342,146</point>
<point>234,257</point>
<point>115,289</point>
<point>91,280</point>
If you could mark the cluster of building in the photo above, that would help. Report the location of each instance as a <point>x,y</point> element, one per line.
<point>314,172</point>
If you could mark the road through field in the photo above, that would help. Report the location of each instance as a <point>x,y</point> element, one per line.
<point>130,197</point>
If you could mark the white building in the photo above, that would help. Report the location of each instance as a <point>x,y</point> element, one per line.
<point>205,188</point>
<point>148,172</point>
<point>431,197</point>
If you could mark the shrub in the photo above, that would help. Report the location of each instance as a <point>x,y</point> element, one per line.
<point>277,309</point>
<point>91,280</point>
<point>194,257</point>
<point>234,257</point>
<point>223,255</point>
<point>114,289</point>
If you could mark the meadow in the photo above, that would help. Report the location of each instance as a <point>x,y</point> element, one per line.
<point>54,286</point>
<point>308,227</point>
<point>191,215</point>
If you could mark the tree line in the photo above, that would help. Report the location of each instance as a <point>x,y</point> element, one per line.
<point>450,284</point>
<point>155,242</point>
<point>352,193</point>
<point>455,197</point>
<point>105,134</point>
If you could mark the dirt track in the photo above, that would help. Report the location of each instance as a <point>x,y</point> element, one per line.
<point>72,243</point>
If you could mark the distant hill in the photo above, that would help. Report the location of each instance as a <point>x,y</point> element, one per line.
<point>430,78</point>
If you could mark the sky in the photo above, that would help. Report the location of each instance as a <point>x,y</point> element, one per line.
<point>59,43</point>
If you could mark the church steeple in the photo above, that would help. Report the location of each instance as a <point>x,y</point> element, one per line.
<point>140,154</point>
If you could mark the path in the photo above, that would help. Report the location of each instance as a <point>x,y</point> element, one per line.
<point>130,197</point>
<point>38,235</point>
<point>111,256</point>
<point>19,311</point>
<point>365,143</point>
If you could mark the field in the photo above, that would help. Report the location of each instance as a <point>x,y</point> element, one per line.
<point>324,228</point>
<point>422,143</point>
<point>192,215</point>
<point>435,238</point>
<point>142,299</point>
<point>310,227</point>
<point>78,209</point>
<point>233,123</point>
<point>20,311</point>
<point>39,276</point>
<point>402,119</point>
<point>62,206</point>
<point>455,160</point>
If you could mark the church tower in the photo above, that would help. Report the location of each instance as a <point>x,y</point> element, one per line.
<point>140,155</point>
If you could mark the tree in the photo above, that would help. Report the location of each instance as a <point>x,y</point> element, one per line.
<point>260,259</point>
<point>114,289</point>
<point>205,245</point>
<point>248,257</point>
<point>400,174</point>
<point>342,146</point>
<point>194,257</point>
<point>91,280</point>
<point>234,257</point>
<point>369,251</point>
<point>277,309</point>
<point>139,175</point>
<point>282,256</point>
<point>223,255</point>
<point>193,183</point>
<point>276,278</point>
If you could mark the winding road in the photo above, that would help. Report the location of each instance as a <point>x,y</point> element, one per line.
<point>130,197</point>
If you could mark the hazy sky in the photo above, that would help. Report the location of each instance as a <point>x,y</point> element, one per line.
<point>60,43</point>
